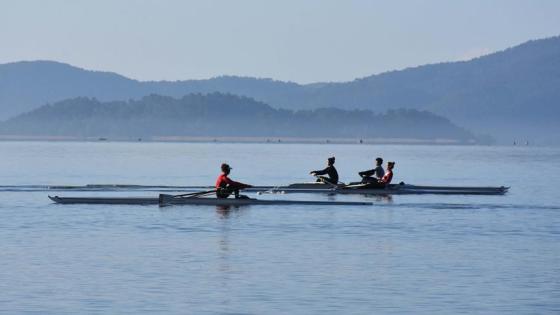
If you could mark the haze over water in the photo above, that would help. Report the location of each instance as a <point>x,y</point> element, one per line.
<point>407,254</point>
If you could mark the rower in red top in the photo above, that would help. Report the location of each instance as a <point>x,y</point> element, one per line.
<point>226,186</point>
<point>388,177</point>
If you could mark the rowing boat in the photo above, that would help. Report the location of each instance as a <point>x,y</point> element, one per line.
<point>393,189</point>
<point>170,200</point>
<point>318,185</point>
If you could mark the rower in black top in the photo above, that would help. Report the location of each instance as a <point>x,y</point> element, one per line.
<point>330,170</point>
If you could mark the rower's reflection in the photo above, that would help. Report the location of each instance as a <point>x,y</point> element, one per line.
<point>226,249</point>
<point>388,198</point>
<point>223,253</point>
<point>384,198</point>
<point>225,212</point>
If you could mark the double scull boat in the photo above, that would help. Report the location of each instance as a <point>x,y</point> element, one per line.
<point>393,189</point>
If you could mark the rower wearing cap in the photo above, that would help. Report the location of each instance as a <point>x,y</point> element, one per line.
<point>330,170</point>
<point>226,186</point>
<point>373,175</point>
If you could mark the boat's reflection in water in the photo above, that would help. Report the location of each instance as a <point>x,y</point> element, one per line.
<point>225,212</point>
<point>387,198</point>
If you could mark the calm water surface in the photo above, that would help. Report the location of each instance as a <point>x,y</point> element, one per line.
<point>405,255</point>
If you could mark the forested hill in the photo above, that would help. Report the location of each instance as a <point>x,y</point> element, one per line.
<point>223,115</point>
<point>511,94</point>
<point>27,85</point>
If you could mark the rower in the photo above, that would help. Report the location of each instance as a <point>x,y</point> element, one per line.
<point>373,175</point>
<point>330,170</point>
<point>388,177</point>
<point>226,186</point>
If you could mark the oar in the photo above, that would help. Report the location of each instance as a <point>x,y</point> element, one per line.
<point>195,194</point>
<point>326,182</point>
<point>165,199</point>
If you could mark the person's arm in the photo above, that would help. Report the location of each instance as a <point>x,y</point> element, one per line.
<point>237,184</point>
<point>321,172</point>
<point>242,185</point>
<point>367,173</point>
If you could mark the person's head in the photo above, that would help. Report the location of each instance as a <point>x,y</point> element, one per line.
<point>379,161</point>
<point>390,165</point>
<point>330,160</point>
<point>225,168</point>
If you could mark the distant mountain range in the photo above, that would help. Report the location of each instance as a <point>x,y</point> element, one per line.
<point>224,115</point>
<point>512,94</point>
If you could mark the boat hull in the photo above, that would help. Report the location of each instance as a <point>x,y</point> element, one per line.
<point>106,200</point>
<point>196,201</point>
<point>394,189</point>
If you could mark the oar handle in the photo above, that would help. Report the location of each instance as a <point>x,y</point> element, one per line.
<point>325,182</point>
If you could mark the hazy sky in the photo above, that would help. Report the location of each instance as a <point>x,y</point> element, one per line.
<point>301,41</point>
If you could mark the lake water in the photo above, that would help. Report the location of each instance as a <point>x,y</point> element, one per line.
<point>405,255</point>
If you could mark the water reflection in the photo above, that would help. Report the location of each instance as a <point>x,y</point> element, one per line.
<point>224,212</point>
<point>224,251</point>
<point>384,198</point>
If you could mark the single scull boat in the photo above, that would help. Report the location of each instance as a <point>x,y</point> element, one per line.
<point>172,200</point>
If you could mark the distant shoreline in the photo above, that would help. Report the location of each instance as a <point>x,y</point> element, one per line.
<point>194,139</point>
